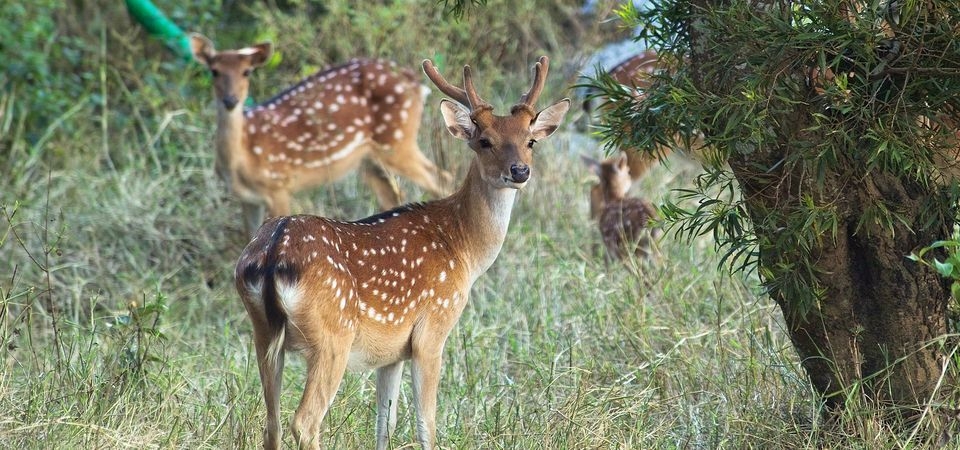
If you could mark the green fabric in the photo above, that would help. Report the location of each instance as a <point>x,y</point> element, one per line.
<point>159,26</point>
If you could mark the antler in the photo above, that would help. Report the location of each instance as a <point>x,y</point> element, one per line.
<point>454,92</point>
<point>530,98</point>
<point>466,96</point>
<point>475,101</point>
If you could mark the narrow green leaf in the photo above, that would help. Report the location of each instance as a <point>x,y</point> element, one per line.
<point>944,268</point>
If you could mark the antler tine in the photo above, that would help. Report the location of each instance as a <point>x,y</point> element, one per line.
<point>539,78</point>
<point>454,92</point>
<point>475,101</point>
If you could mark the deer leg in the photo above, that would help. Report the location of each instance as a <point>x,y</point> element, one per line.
<point>611,244</point>
<point>278,204</point>
<point>416,167</point>
<point>252,217</point>
<point>271,377</point>
<point>326,364</point>
<point>383,184</point>
<point>388,391</point>
<point>596,202</point>
<point>426,379</point>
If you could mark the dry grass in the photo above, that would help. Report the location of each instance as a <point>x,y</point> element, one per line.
<point>121,329</point>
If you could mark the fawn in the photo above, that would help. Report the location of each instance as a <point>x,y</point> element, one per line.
<point>624,222</point>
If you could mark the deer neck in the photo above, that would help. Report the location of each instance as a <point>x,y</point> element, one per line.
<point>611,198</point>
<point>231,137</point>
<point>481,214</point>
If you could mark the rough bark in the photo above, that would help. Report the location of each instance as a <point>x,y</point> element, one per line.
<point>880,318</point>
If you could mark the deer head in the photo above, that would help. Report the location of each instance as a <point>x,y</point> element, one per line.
<point>230,69</point>
<point>503,144</point>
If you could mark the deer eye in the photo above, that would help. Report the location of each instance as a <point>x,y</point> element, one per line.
<point>484,143</point>
<point>530,144</point>
<point>214,72</point>
<point>246,73</point>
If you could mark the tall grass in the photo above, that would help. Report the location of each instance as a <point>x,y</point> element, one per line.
<point>120,326</point>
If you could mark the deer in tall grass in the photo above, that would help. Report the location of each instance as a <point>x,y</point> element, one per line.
<point>363,113</point>
<point>636,74</point>
<point>626,223</point>
<point>373,293</point>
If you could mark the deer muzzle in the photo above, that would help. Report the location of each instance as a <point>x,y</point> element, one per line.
<point>519,173</point>
<point>230,102</point>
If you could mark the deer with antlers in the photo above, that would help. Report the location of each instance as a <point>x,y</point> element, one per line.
<point>373,293</point>
<point>365,113</point>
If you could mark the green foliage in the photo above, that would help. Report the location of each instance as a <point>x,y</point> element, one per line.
<point>948,267</point>
<point>715,213</point>
<point>120,327</point>
<point>773,115</point>
<point>38,61</point>
<point>459,8</point>
<point>396,31</point>
<point>137,332</point>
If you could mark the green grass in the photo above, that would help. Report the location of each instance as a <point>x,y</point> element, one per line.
<point>555,350</point>
<point>121,329</point>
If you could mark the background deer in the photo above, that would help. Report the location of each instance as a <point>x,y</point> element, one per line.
<point>363,113</point>
<point>625,222</point>
<point>635,73</point>
<point>373,293</point>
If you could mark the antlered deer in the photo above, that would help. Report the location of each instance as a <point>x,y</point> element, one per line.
<point>625,222</point>
<point>373,293</point>
<point>365,112</point>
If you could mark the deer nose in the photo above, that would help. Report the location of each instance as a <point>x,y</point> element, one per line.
<point>230,101</point>
<point>520,173</point>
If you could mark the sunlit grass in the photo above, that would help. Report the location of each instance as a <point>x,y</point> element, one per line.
<point>555,349</point>
<point>121,329</point>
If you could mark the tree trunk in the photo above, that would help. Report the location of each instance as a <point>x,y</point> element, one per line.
<point>880,317</point>
<point>878,321</point>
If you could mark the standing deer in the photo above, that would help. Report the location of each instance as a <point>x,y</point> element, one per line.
<point>635,73</point>
<point>363,113</point>
<point>373,293</point>
<point>625,222</point>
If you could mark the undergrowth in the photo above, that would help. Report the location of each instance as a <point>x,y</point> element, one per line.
<point>120,327</point>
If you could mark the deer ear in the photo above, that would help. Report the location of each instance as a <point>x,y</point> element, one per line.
<point>548,120</point>
<point>260,53</point>
<point>622,161</point>
<point>592,164</point>
<point>457,118</point>
<point>202,48</point>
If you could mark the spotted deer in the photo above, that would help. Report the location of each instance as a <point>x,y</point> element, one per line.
<point>636,74</point>
<point>373,293</point>
<point>363,113</point>
<point>625,222</point>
